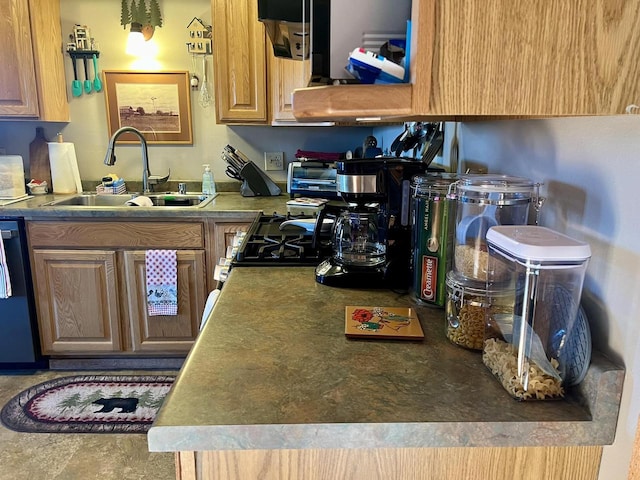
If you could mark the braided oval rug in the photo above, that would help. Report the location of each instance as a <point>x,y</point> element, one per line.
<point>88,404</point>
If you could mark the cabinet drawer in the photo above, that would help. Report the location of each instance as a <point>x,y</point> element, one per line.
<point>147,235</point>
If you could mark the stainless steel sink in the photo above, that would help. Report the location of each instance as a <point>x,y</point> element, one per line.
<point>165,200</point>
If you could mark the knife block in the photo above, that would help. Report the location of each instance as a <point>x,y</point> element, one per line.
<point>256,183</point>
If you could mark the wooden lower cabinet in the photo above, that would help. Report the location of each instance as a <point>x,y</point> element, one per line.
<point>167,332</point>
<point>90,285</point>
<point>77,300</point>
<point>449,463</point>
<point>225,231</point>
<point>87,304</point>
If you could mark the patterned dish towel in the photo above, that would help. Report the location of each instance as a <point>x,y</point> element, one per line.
<point>5,282</point>
<point>162,282</point>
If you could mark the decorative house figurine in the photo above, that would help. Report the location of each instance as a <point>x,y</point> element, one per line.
<point>199,37</point>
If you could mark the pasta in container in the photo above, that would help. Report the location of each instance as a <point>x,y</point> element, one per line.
<point>528,350</point>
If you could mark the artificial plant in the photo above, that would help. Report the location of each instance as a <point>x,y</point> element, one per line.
<point>148,17</point>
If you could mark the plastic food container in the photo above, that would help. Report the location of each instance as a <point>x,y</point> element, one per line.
<point>434,209</point>
<point>11,176</point>
<point>485,201</point>
<point>469,307</point>
<point>531,350</point>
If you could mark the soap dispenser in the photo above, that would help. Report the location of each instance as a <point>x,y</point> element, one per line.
<point>208,185</point>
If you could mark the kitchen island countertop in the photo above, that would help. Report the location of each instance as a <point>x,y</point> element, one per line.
<point>272,369</point>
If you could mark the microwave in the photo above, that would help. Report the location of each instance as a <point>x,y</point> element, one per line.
<point>327,31</point>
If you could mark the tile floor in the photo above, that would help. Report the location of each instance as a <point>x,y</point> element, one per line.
<point>42,456</point>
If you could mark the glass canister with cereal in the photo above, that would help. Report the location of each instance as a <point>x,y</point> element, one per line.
<point>484,201</point>
<point>469,307</point>
<point>531,350</point>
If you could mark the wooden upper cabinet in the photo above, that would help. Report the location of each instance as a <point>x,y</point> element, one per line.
<point>284,77</point>
<point>240,76</point>
<point>502,58</point>
<point>32,82</point>
<point>252,86</point>
<point>18,94</point>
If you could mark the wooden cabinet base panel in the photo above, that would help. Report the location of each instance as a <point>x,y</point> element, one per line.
<point>164,362</point>
<point>523,463</point>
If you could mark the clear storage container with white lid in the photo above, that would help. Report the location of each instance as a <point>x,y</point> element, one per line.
<point>484,201</point>
<point>530,351</point>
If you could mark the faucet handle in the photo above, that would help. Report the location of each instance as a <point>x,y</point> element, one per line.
<point>156,179</point>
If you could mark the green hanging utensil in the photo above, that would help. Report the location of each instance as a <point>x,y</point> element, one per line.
<point>97,83</point>
<point>76,85</point>
<point>87,82</point>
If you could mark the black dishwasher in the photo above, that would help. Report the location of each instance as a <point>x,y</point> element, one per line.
<point>19,342</point>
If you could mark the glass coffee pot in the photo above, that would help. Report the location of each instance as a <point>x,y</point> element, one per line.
<point>358,247</point>
<point>357,237</point>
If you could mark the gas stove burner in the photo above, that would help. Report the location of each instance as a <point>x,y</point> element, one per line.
<point>266,244</point>
<point>285,246</point>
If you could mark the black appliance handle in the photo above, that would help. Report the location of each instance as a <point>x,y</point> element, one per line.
<point>315,239</point>
<point>332,207</point>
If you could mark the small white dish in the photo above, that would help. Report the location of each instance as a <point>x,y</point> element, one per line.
<point>38,189</point>
<point>140,201</point>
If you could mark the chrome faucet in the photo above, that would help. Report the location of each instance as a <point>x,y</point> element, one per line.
<point>147,178</point>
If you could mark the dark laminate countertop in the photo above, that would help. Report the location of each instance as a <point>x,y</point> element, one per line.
<point>225,204</point>
<point>273,369</point>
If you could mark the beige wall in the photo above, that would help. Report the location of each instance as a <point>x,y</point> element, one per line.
<point>88,126</point>
<point>591,175</point>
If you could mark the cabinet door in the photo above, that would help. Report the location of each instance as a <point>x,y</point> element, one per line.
<point>502,59</point>
<point>77,300</point>
<point>223,236</point>
<point>284,77</point>
<point>18,92</point>
<point>32,81</point>
<point>166,334</point>
<point>239,68</point>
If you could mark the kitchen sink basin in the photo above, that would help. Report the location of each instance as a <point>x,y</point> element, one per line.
<point>166,199</point>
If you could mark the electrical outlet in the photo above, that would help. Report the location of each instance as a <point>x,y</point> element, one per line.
<point>274,160</point>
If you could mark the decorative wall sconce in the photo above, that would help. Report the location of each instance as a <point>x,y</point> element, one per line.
<point>143,19</point>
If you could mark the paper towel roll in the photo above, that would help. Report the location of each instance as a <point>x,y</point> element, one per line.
<point>65,175</point>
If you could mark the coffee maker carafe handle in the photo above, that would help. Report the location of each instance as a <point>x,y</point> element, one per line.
<point>328,209</point>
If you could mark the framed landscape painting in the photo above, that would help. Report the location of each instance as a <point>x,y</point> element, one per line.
<point>156,103</point>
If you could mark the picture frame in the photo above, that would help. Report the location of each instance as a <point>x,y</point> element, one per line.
<point>158,104</point>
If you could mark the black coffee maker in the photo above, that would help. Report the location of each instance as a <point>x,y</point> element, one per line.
<point>372,232</point>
